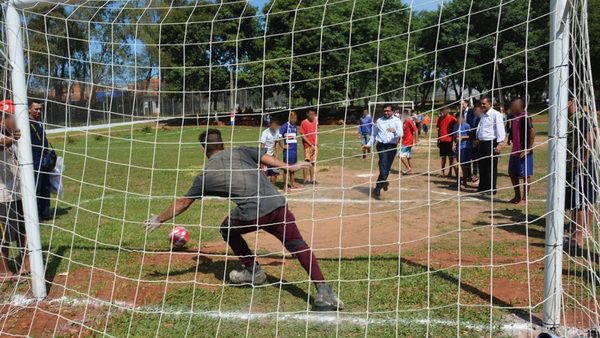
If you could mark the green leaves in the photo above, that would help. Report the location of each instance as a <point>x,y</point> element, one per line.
<point>313,51</point>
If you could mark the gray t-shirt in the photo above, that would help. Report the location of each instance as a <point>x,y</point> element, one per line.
<point>235,174</point>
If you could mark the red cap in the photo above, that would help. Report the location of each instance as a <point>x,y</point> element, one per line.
<point>7,106</point>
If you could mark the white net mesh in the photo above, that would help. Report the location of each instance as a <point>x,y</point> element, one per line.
<point>128,86</point>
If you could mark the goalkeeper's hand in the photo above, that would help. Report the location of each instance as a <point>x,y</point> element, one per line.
<point>152,224</point>
<point>298,166</point>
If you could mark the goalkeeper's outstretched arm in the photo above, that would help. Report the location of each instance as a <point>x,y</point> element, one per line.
<point>175,209</point>
<point>273,162</point>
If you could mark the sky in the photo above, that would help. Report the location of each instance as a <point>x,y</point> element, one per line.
<point>417,4</point>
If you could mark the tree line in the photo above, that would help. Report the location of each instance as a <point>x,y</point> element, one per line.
<point>313,51</point>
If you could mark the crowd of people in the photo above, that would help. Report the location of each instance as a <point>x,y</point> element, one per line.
<point>469,143</point>
<point>285,137</point>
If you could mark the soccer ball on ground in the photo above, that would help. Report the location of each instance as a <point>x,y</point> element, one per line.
<point>179,237</point>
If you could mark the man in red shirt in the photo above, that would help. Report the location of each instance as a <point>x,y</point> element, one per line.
<point>409,138</point>
<point>308,129</point>
<point>445,125</point>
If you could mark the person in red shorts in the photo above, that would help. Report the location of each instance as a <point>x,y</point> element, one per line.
<point>235,174</point>
<point>445,125</point>
<point>308,130</point>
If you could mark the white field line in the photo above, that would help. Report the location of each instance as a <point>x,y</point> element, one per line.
<point>519,327</point>
<point>102,126</point>
<point>366,200</point>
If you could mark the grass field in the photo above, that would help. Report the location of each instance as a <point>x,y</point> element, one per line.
<point>427,260</point>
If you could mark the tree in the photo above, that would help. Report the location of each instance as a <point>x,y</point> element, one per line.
<point>475,37</point>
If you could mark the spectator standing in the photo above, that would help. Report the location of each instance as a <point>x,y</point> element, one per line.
<point>418,119</point>
<point>308,130</point>
<point>490,135</point>
<point>426,123</point>
<point>387,131</point>
<point>445,125</point>
<point>462,151</point>
<point>11,210</point>
<point>474,144</point>
<point>581,186</point>
<point>365,128</point>
<point>467,112</point>
<point>520,163</point>
<point>289,134</point>
<point>269,140</point>
<point>43,164</point>
<point>410,137</point>
<point>232,117</point>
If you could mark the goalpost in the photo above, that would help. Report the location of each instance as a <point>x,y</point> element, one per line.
<point>427,259</point>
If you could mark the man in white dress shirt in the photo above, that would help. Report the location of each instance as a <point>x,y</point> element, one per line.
<point>490,135</point>
<point>387,131</point>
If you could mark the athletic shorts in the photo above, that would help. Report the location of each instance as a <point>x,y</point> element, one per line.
<point>581,190</point>
<point>290,156</point>
<point>445,149</point>
<point>310,154</point>
<point>464,156</point>
<point>522,167</point>
<point>11,221</point>
<point>405,152</point>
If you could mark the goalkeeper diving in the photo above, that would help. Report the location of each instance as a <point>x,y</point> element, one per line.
<point>235,174</point>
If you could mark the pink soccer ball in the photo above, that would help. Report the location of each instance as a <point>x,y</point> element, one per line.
<point>179,237</point>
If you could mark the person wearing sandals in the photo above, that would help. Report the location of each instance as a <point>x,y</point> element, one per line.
<point>520,163</point>
<point>409,139</point>
<point>12,226</point>
<point>308,131</point>
<point>581,189</point>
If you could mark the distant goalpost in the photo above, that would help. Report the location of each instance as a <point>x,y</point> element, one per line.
<point>426,260</point>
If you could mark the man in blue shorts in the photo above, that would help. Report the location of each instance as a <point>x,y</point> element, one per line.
<point>520,164</point>
<point>289,134</point>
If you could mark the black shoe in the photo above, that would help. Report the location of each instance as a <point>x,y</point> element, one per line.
<point>377,193</point>
<point>385,186</point>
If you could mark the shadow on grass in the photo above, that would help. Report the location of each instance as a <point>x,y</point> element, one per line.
<point>515,221</point>
<point>60,211</point>
<point>206,265</point>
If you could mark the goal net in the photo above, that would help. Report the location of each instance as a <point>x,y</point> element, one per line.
<point>470,212</point>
